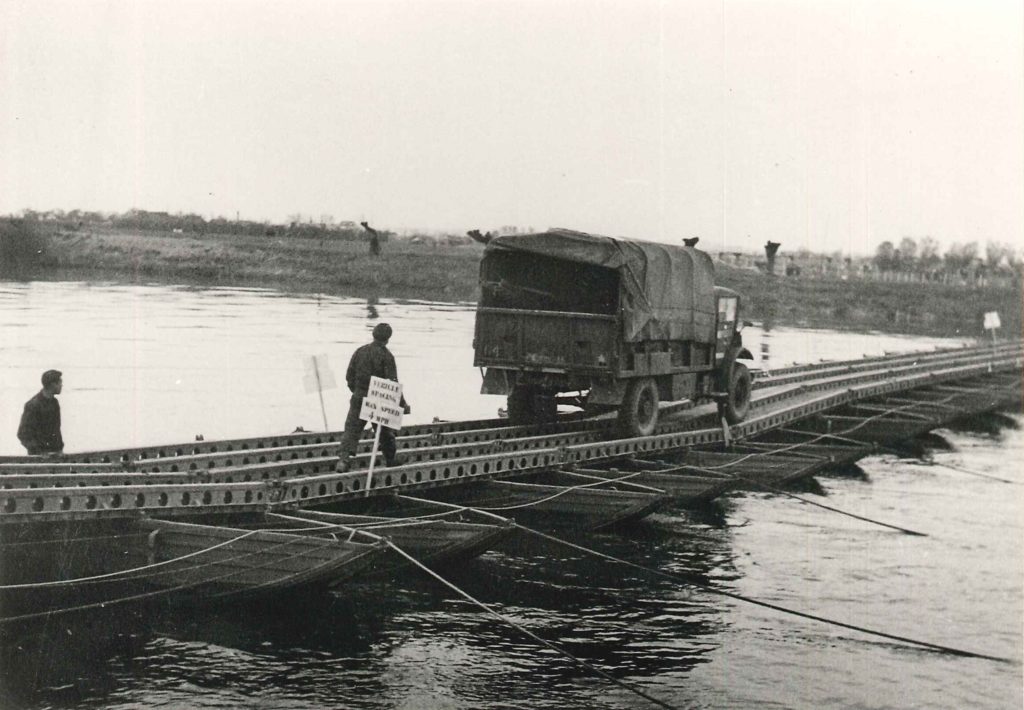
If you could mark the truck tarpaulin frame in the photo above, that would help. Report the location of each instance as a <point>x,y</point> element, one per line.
<point>667,292</point>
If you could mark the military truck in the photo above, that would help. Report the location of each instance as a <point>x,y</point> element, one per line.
<point>606,323</point>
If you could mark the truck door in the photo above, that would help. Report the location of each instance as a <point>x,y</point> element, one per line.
<point>726,326</point>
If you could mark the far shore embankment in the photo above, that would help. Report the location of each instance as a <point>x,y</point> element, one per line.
<point>443,272</point>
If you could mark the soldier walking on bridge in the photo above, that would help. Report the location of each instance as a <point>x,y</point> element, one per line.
<point>371,360</point>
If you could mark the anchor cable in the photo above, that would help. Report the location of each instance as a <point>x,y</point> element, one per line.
<point>781,491</point>
<point>773,489</point>
<point>968,471</point>
<point>768,605</point>
<point>526,632</point>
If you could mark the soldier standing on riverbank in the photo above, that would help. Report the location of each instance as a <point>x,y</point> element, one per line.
<point>372,360</point>
<point>374,239</point>
<point>39,431</point>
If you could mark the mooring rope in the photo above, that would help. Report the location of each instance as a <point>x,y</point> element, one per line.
<point>144,570</point>
<point>526,632</point>
<point>122,574</point>
<point>575,473</point>
<point>786,493</point>
<point>932,462</point>
<point>65,541</point>
<point>768,605</point>
<point>819,437</point>
<point>965,470</point>
<point>381,520</point>
<point>457,508</point>
<point>170,590</point>
<point>815,437</point>
<point>559,494</point>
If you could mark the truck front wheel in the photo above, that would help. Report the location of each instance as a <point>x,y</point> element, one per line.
<point>638,415</point>
<point>736,404</point>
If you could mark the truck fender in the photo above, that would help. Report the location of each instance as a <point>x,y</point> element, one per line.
<point>607,392</point>
<point>724,370</point>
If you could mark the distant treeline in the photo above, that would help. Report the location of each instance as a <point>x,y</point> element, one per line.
<point>912,261</point>
<point>150,221</point>
<point>924,256</point>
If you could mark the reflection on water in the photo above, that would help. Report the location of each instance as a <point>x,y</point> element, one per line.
<point>161,364</point>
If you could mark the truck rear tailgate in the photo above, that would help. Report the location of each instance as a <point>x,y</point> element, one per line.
<point>556,340</point>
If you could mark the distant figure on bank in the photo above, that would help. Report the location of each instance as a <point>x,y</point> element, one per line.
<point>374,239</point>
<point>372,360</point>
<point>39,431</point>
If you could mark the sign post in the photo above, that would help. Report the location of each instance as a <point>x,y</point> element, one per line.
<point>382,406</point>
<point>991,324</point>
<point>318,378</point>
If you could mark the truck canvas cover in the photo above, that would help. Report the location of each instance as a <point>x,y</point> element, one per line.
<point>667,291</point>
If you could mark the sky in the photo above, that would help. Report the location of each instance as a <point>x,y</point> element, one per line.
<point>826,124</point>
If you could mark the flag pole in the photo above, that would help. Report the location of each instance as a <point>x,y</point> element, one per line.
<point>320,390</point>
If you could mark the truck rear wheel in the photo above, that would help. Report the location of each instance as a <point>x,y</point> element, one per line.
<point>638,415</point>
<point>736,404</point>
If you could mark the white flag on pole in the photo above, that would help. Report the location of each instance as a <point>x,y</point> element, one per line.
<point>319,376</point>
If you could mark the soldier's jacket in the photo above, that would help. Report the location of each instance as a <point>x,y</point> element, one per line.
<point>39,431</point>
<point>372,360</point>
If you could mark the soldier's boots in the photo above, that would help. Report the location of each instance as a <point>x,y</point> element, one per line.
<point>344,464</point>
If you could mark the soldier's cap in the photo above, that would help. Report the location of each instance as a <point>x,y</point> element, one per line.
<point>51,376</point>
<point>382,331</point>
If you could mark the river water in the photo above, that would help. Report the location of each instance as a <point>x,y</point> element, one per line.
<point>158,364</point>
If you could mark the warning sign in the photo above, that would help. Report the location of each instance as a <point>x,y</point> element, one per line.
<point>383,403</point>
<point>992,320</point>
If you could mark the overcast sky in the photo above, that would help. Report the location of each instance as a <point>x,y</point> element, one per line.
<point>827,124</point>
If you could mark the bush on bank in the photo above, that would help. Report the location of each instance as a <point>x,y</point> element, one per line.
<point>22,244</point>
